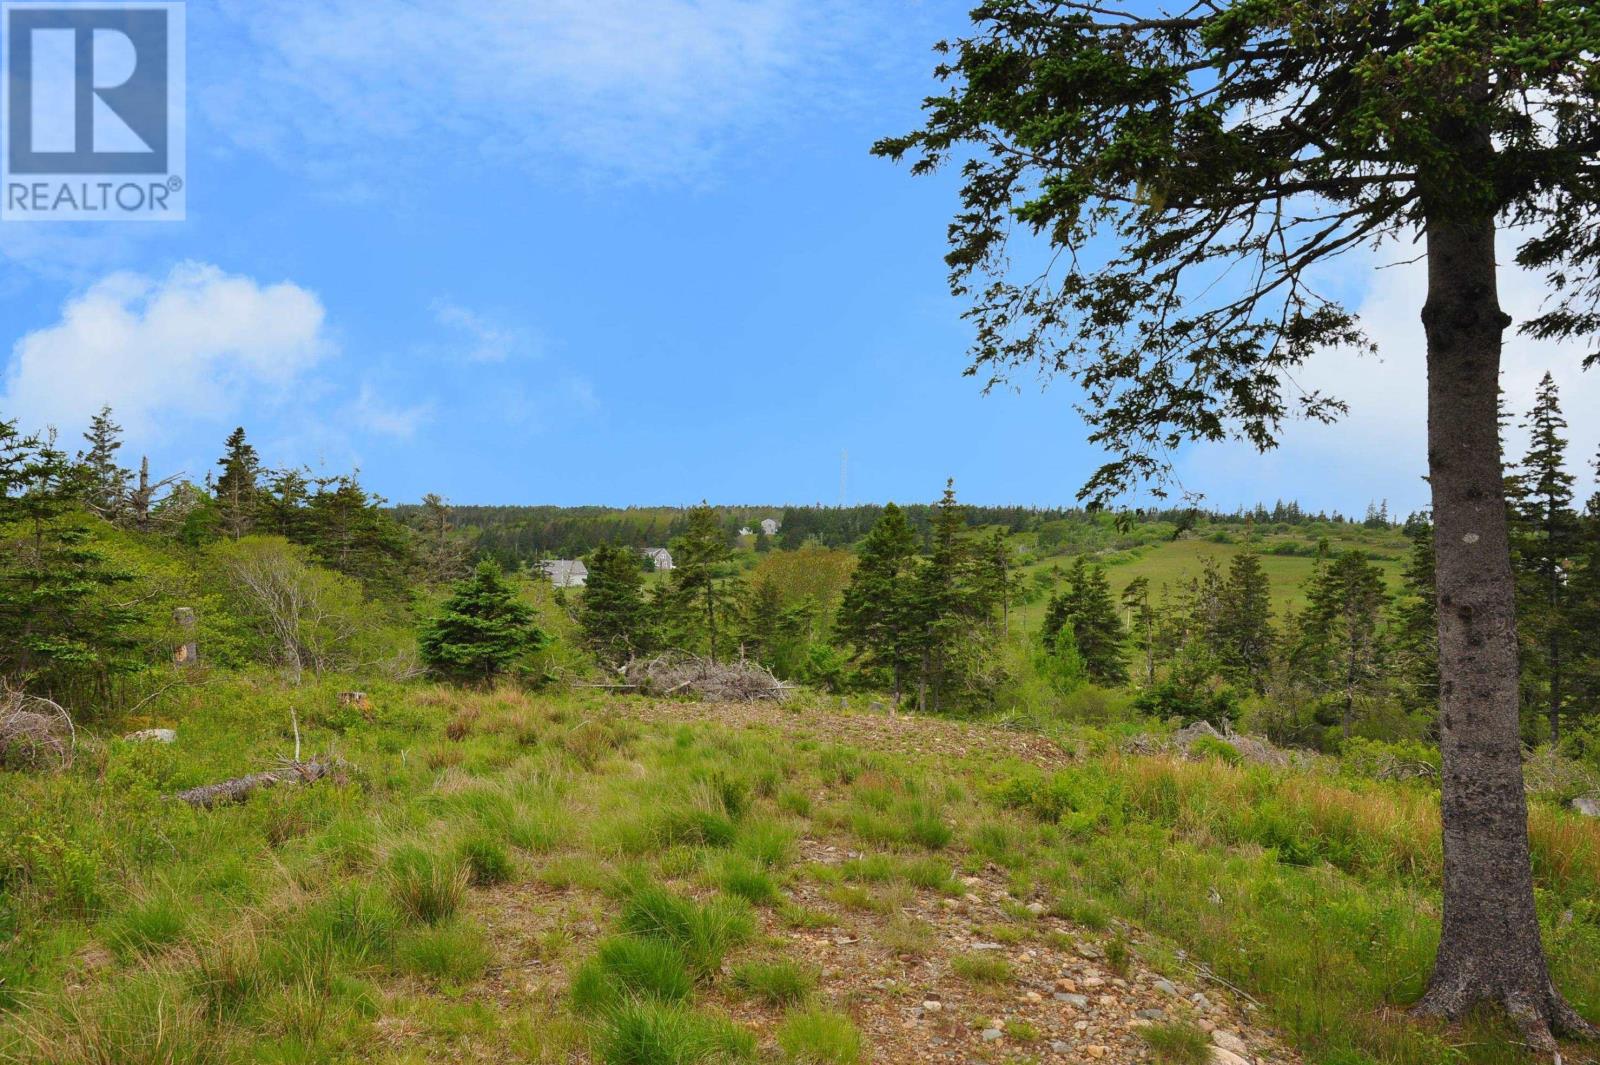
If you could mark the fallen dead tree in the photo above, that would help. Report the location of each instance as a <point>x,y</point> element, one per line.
<point>35,733</point>
<point>239,789</point>
<point>701,678</point>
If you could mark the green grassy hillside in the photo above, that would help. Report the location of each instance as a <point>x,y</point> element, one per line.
<point>1171,562</point>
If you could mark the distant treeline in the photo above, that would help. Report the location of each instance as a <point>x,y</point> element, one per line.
<point>515,534</point>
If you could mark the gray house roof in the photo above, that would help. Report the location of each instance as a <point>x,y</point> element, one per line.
<point>658,555</point>
<point>566,572</point>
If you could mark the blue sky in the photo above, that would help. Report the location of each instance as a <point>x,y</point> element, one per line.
<point>602,252</point>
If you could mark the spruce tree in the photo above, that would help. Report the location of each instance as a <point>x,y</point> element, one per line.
<point>942,605</point>
<point>1544,537</point>
<point>348,530</point>
<point>1244,624</point>
<point>105,482</point>
<point>877,613</point>
<point>1086,608</point>
<point>698,601</point>
<point>64,629</point>
<point>614,614</point>
<point>1340,650</point>
<point>481,630</point>
<point>238,489</point>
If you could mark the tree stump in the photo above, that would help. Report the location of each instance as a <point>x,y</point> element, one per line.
<point>359,700</point>
<point>188,652</point>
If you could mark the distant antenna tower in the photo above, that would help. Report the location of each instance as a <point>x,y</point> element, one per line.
<point>844,476</point>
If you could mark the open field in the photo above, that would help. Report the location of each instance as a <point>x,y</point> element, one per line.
<point>507,877</point>
<point>1168,564</point>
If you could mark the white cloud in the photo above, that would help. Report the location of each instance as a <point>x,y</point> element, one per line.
<point>376,415</point>
<point>196,344</point>
<point>487,341</point>
<point>614,87</point>
<point>1379,450</point>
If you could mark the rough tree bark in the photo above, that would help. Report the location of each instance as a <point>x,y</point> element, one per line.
<point>1490,951</point>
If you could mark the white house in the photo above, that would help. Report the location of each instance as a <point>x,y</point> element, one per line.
<point>660,557</point>
<point>566,572</point>
<point>770,526</point>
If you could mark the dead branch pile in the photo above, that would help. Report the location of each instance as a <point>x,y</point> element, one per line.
<point>241,788</point>
<point>1251,748</point>
<point>35,733</point>
<point>701,678</point>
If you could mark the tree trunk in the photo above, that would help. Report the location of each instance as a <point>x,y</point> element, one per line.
<point>1489,949</point>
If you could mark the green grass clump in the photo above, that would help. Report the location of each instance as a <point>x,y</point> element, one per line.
<point>1177,1043</point>
<point>486,860</point>
<point>820,1037</point>
<point>766,842</point>
<point>426,887</point>
<point>626,968</point>
<point>452,953</point>
<point>982,968</point>
<point>745,879</point>
<point>704,932</point>
<point>659,1033</point>
<point>152,923</point>
<point>776,983</point>
<point>1220,750</point>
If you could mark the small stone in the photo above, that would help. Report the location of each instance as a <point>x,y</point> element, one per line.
<point>932,1005</point>
<point>1229,1041</point>
<point>991,1034</point>
<point>987,946</point>
<point>1108,1000</point>
<point>1226,1057</point>
<point>1095,1051</point>
<point>152,735</point>
<point>1034,996</point>
<point>1201,1002</point>
<point>1586,806</point>
<point>1080,1001</point>
<point>1152,1015</point>
<point>1059,1047</point>
<point>1093,981</point>
<point>1064,984</point>
<point>1165,985</point>
<point>1036,908</point>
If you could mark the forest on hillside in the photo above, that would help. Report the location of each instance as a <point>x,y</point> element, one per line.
<point>953,609</point>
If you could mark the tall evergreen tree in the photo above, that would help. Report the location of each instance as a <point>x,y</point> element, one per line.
<point>1244,624</point>
<point>877,613</point>
<point>615,616</point>
<point>1191,174</point>
<point>1544,538</point>
<point>1339,649</point>
<point>442,550</point>
<point>1086,608</point>
<point>63,628</point>
<point>1136,601</point>
<point>942,604</point>
<point>238,489</point>
<point>348,531</point>
<point>699,601</point>
<point>105,482</point>
<point>481,630</point>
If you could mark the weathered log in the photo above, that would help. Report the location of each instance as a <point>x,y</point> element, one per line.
<point>238,790</point>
